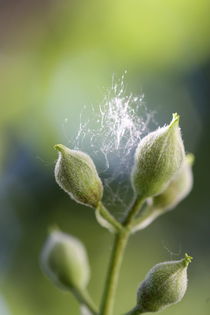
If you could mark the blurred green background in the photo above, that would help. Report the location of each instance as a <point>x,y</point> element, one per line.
<point>56,57</point>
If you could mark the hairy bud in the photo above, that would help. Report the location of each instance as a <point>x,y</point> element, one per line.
<point>178,188</point>
<point>64,261</point>
<point>158,157</point>
<point>76,174</point>
<point>165,284</point>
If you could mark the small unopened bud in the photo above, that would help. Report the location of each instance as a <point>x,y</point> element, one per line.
<point>178,189</point>
<point>158,158</point>
<point>165,284</point>
<point>76,174</point>
<point>64,261</point>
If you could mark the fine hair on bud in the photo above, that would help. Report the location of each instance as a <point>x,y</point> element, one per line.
<point>164,285</point>
<point>180,186</point>
<point>76,174</point>
<point>158,158</point>
<point>64,261</point>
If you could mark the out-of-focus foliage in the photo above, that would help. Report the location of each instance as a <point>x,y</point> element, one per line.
<point>56,57</point>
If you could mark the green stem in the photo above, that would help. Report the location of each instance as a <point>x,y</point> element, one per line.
<point>146,218</point>
<point>106,215</point>
<point>138,202</point>
<point>120,242</point>
<point>84,299</point>
<point>113,273</point>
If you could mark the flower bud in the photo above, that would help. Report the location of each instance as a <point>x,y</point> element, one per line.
<point>165,284</point>
<point>64,261</point>
<point>178,188</point>
<point>158,157</point>
<point>76,174</point>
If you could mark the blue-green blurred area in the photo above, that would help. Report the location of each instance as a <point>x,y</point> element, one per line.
<point>56,57</point>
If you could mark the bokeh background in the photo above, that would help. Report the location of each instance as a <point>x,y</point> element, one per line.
<point>56,57</point>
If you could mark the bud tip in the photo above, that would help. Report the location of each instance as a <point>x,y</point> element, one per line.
<point>58,147</point>
<point>187,259</point>
<point>175,119</point>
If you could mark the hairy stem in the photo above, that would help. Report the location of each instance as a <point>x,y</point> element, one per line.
<point>84,299</point>
<point>113,273</point>
<point>146,218</point>
<point>108,217</point>
<point>137,204</point>
<point>120,243</point>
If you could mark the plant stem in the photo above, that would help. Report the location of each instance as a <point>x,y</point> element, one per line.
<point>138,202</point>
<point>108,217</point>
<point>120,242</point>
<point>84,299</point>
<point>147,217</point>
<point>113,273</point>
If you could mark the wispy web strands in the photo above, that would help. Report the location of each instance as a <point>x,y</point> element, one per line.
<point>110,133</point>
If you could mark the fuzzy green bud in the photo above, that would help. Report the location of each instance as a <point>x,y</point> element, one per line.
<point>76,174</point>
<point>176,191</point>
<point>64,260</point>
<point>158,158</point>
<point>178,188</point>
<point>165,284</point>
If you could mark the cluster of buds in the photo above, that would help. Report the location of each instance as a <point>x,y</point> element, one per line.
<point>161,177</point>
